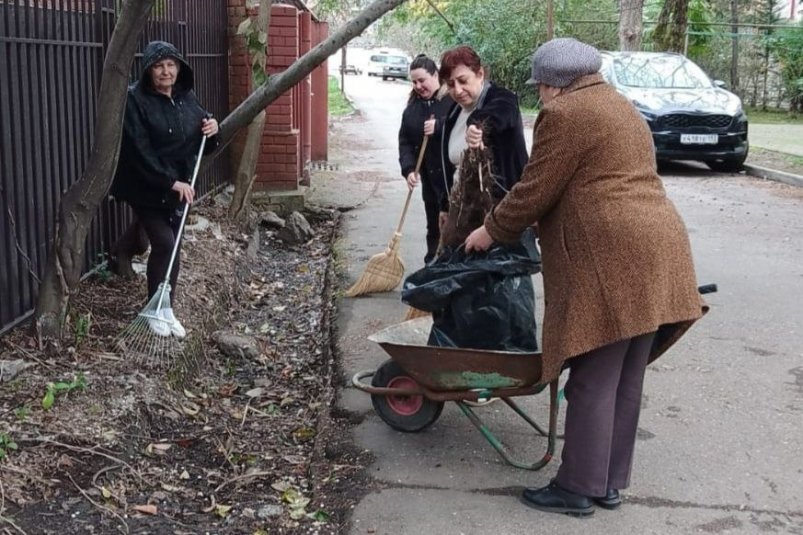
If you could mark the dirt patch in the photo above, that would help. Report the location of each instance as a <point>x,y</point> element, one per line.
<point>236,445</point>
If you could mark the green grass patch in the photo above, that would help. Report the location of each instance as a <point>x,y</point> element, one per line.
<point>338,105</point>
<point>757,116</point>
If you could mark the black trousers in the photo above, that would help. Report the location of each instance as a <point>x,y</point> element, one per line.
<point>161,227</point>
<point>604,400</point>
<point>432,209</point>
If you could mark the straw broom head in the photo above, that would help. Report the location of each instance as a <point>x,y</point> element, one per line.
<point>383,272</point>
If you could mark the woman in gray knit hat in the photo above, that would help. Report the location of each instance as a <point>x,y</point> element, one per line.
<point>619,282</point>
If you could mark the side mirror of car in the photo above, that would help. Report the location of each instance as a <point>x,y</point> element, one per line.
<point>720,84</point>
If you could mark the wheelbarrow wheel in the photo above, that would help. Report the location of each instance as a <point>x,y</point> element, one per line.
<point>409,414</point>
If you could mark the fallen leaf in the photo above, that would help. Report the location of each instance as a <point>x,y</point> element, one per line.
<point>191,408</point>
<point>304,433</point>
<point>184,475</point>
<point>222,510</point>
<point>255,392</point>
<point>157,449</point>
<point>281,486</point>
<point>106,493</point>
<point>227,389</point>
<point>145,509</point>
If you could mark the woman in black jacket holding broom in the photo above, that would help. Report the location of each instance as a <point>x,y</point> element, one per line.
<point>162,131</point>
<point>426,108</point>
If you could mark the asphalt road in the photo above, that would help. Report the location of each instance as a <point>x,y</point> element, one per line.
<point>720,441</point>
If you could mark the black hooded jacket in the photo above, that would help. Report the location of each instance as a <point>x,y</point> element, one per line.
<point>498,113</point>
<point>161,135</point>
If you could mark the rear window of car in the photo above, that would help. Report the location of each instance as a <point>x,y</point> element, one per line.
<point>397,60</point>
<point>379,59</point>
<point>659,72</point>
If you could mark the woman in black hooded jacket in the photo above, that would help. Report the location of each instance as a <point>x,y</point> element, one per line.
<point>426,108</point>
<point>162,131</point>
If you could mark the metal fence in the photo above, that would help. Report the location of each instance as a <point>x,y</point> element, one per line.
<point>51,60</point>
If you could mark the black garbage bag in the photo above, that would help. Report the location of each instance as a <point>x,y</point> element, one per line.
<point>480,300</point>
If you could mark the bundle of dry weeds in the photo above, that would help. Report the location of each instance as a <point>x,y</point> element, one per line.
<point>470,199</point>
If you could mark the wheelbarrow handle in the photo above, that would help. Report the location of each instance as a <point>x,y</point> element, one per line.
<point>707,289</point>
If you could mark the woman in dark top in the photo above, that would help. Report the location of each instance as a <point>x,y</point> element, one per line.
<point>482,110</point>
<point>162,131</point>
<point>427,106</point>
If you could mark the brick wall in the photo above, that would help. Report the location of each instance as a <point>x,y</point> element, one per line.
<point>287,138</point>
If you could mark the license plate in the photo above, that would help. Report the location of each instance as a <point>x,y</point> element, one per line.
<point>699,139</point>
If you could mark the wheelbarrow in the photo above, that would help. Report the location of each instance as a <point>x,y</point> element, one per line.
<point>408,391</point>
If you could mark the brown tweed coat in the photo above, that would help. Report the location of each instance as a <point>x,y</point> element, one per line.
<point>616,255</point>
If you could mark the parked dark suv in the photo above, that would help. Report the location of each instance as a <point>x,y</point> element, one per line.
<point>691,117</point>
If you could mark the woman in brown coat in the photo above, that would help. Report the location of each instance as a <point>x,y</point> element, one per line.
<point>619,282</point>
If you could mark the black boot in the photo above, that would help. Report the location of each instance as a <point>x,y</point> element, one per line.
<point>611,500</point>
<point>554,499</point>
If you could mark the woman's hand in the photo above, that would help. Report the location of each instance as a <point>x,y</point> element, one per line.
<point>474,137</point>
<point>184,190</point>
<point>429,127</point>
<point>209,127</point>
<point>479,240</point>
<point>412,180</point>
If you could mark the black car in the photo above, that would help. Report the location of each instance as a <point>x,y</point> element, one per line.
<point>691,117</point>
<point>350,69</point>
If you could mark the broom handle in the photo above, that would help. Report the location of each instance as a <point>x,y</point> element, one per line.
<point>410,191</point>
<point>183,219</point>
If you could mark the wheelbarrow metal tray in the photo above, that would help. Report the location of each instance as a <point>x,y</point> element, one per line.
<point>451,369</point>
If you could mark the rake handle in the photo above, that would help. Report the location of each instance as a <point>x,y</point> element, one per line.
<point>183,220</point>
<point>410,191</point>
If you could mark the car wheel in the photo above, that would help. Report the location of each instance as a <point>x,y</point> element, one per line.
<point>731,165</point>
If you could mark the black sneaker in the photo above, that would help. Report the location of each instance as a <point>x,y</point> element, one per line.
<point>554,499</point>
<point>610,501</point>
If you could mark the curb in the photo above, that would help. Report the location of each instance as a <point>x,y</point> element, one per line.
<point>771,174</point>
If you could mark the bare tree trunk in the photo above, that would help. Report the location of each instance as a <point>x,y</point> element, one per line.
<point>343,70</point>
<point>630,24</point>
<point>79,205</point>
<point>246,171</point>
<point>670,32</point>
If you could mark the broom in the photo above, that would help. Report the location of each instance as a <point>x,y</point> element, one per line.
<point>148,339</point>
<point>385,270</point>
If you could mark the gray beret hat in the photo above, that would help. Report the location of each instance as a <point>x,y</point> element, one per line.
<point>561,61</point>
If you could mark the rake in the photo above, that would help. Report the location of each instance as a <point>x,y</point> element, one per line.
<point>149,338</point>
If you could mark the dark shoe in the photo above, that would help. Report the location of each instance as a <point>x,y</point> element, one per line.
<point>554,499</point>
<point>610,501</point>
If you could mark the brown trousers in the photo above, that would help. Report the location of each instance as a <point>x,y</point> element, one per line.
<point>604,399</point>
